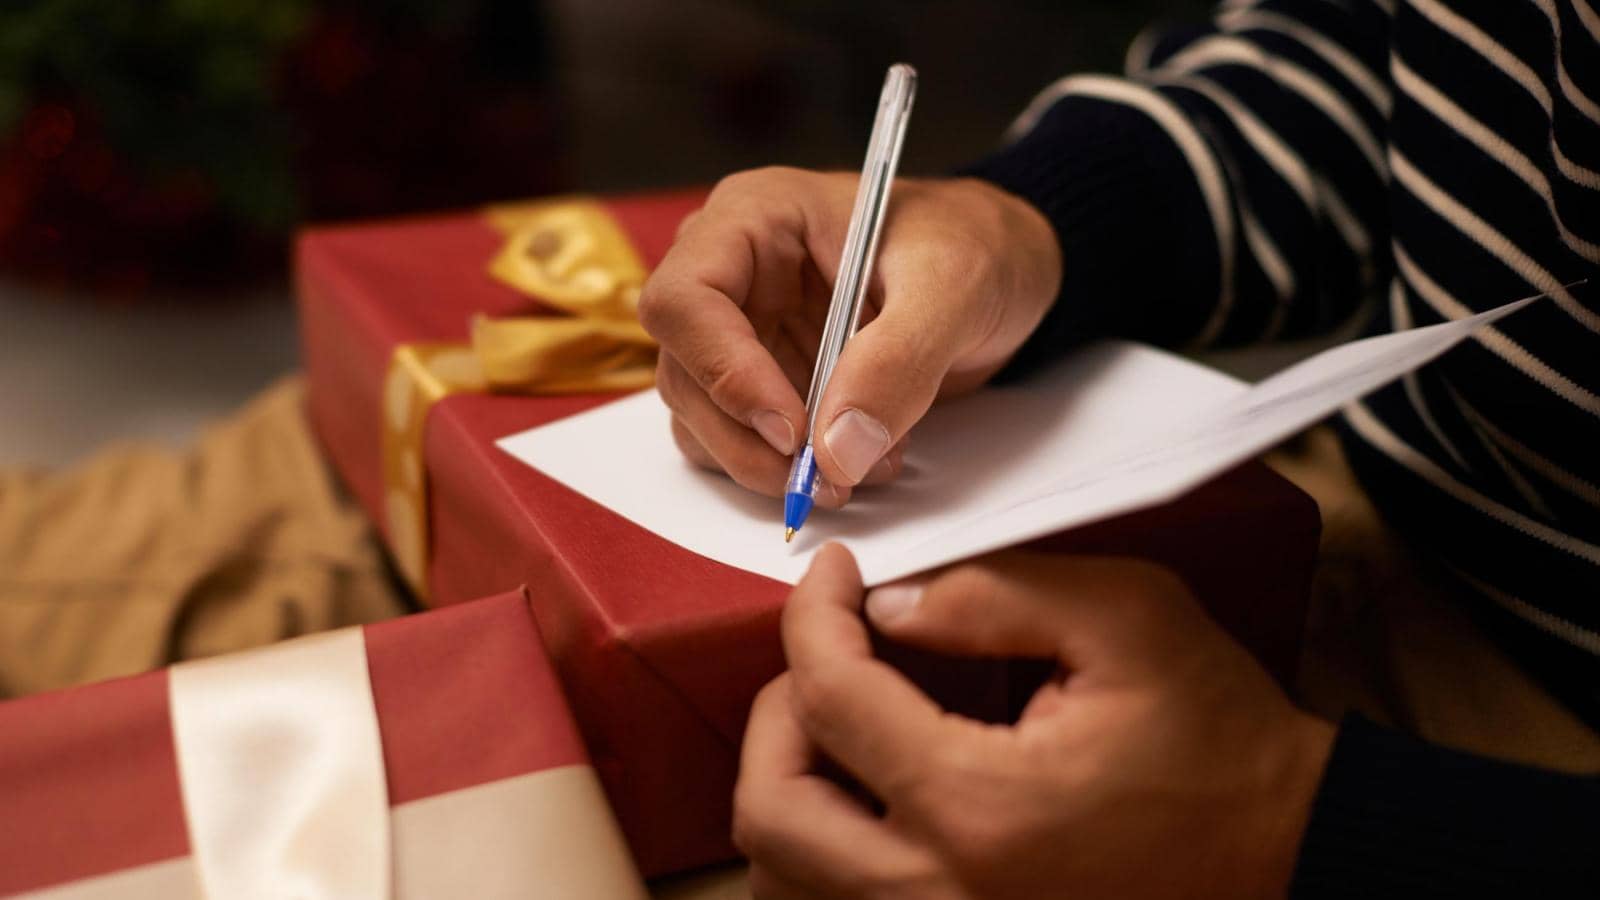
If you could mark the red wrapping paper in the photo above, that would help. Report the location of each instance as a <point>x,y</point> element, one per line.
<point>661,650</point>
<point>89,780</point>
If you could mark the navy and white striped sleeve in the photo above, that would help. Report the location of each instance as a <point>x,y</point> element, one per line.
<point>1231,188</point>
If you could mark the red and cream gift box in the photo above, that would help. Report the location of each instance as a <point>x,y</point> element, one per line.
<point>660,650</point>
<point>429,756</point>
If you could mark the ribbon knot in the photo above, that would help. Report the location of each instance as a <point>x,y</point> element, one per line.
<point>571,256</point>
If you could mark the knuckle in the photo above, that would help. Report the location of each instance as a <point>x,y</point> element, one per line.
<point>730,184</point>
<point>686,223</point>
<point>754,828</point>
<point>918,879</point>
<point>712,370</point>
<point>953,769</point>
<point>763,884</point>
<point>719,375</point>
<point>748,465</point>
<point>952,261</point>
<point>741,183</point>
<point>922,782</point>
<point>1158,587</point>
<point>788,619</point>
<point>897,346</point>
<point>1148,601</point>
<point>729,378</point>
<point>980,842</point>
<point>887,879</point>
<point>988,212</point>
<point>737,189</point>
<point>970,273</point>
<point>657,306</point>
<point>816,693</point>
<point>1166,580</point>
<point>907,354</point>
<point>691,447</point>
<point>958,800</point>
<point>670,384</point>
<point>773,175</point>
<point>773,693</point>
<point>752,833</point>
<point>967,584</point>
<point>770,174</point>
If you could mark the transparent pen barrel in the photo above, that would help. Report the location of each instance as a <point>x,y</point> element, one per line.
<point>803,475</point>
<point>866,224</point>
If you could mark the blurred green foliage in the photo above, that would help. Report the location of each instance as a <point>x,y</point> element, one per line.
<point>182,87</point>
<point>179,86</point>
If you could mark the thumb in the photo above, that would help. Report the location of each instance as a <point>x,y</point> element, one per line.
<point>1081,611</point>
<point>884,382</point>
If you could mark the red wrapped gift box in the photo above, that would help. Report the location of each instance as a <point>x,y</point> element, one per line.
<point>487,784</point>
<point>660,650</point>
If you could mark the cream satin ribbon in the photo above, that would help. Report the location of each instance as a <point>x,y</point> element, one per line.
<point>545,835</point>
<point>282,771</point>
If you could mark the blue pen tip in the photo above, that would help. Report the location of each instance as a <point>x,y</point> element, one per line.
<point>796,506</point>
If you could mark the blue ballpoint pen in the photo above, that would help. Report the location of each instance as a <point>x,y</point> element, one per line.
<point>855,274</point>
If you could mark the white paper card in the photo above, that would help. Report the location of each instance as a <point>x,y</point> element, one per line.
<point>1114,428</point>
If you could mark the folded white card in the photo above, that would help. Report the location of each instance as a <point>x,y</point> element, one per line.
<point>1114,428</point>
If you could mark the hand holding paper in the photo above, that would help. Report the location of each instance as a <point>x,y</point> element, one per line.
<point>1213,776</point>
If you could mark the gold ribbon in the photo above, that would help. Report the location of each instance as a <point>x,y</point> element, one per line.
<point>569,254</point>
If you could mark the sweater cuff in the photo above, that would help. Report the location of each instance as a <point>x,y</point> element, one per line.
<point>1139,256</point>
<point>1398,817</point>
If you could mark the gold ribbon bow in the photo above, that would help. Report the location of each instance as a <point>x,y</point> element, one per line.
<point>569,254</point>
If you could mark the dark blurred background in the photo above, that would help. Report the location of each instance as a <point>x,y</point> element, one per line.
<point>156,156</point>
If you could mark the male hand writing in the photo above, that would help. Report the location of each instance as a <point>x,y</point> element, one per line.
<point>1162,763</point>
<point>964,273</point>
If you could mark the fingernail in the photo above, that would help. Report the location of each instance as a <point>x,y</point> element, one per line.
<point>856,441</point>
<point>775,430</point>
<point>893,601</point>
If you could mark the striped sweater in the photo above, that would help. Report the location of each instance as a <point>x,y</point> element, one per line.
<point>1296,163</point>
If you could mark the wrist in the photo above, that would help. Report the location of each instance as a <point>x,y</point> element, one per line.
<point>1024,242</point>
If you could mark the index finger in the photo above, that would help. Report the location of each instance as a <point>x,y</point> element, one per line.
<point>693,305</point>
<point>866,716</point>
<point>800,824</point>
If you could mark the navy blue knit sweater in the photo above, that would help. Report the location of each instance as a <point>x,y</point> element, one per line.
<point>1296,163</point>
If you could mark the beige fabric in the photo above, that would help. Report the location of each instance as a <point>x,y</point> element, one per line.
<point>141,557</point>
<point>1385,637</point>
